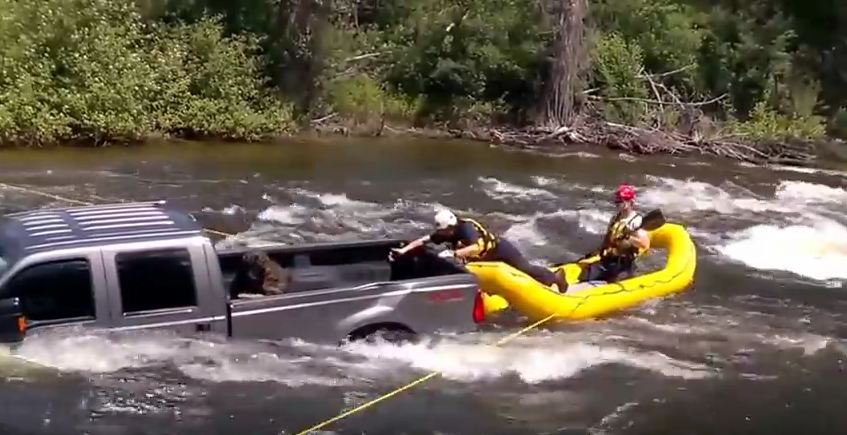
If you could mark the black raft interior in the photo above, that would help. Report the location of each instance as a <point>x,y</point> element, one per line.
<point>340,265</point>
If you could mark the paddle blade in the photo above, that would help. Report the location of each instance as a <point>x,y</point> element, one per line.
<point>653,220</point>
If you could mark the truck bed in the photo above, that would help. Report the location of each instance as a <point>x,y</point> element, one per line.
<point>337,290</point>
<point>354,264</point>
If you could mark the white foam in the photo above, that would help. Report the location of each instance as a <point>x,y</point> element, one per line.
<point>804,231</point>
<point>805,170</point>
<point>532,359</point>
<point>335,200</point>
<point>526,233</point>
<point>594,220</point>
<point>230,210</point>
<point>286,215</point>
<point>682,196</point>
<point>501,190</point>
<point>817,251</point>
<point>544,181</point>
<point>804,193</point>
<point>85,351</point>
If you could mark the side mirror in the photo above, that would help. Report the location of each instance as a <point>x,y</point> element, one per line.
<point>12,321</point>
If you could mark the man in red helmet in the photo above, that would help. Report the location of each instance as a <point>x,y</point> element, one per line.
<point>623,242</point>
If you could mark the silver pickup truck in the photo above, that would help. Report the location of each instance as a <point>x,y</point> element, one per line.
<point>148,265</point>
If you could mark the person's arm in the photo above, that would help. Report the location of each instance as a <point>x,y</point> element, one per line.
<point>638,239</point>
<point>469,235</point>
<point>469,250</point>
<point>414,244</point>
<point>636,236</point>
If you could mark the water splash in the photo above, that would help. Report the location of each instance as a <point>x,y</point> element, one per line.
<point>817,251</point>
<point>503,191</point>
<point>535,359</point>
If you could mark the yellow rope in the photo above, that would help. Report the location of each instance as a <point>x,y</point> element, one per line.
<point>45,194</point>
<point>417,381</point>
<point>345,414</point>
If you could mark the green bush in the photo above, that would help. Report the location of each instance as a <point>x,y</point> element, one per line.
<point>210,85</point>
<point>109,70</point>
<point>617,66</point>
<point>766,123</point>
<point>92,70</point>
<point>667,33</point>
<point>365,99</point>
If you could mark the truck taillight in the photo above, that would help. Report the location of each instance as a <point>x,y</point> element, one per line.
<point>478,308</point>
<point>21,324</point>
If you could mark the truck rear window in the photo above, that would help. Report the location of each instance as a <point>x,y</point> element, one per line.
<point>155,280</point>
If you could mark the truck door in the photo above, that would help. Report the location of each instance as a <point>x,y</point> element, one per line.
<point>60,291</point>
<point>162,285</point>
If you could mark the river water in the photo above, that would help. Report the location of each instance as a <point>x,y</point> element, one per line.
<point>756,346</point>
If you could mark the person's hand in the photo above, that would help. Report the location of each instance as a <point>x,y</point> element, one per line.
<point>624,241</point>
<point>587,256</point>
<point>394,253</point>
<point>447,253</point>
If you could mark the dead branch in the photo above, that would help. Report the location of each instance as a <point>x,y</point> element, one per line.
<point>655,91</point>
<point>669,73</point>
<point>325,118</point>
<point>648,101</point>
<point>365,56</point>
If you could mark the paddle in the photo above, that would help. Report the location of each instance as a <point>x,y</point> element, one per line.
<point>650,222</point>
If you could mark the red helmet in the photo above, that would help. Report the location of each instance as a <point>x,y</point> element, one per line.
<point>625,192</point>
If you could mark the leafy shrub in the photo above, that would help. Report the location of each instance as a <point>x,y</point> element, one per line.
<point>617,66</point>
<point>92,70</point>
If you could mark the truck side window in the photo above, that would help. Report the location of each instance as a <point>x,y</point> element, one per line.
<point>55,291</point>
<point>155,280</point>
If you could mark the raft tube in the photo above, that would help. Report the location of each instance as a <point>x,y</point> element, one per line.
<point>506,286</point>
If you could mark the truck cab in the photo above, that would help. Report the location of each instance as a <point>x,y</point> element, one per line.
<point>116,267</point>
<point>146,265</point>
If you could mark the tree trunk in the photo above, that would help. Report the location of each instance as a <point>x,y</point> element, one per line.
<point>300,26</point>
<point>569,62</point>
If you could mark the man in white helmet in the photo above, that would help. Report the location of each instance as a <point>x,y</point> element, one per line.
<point>472,242</point>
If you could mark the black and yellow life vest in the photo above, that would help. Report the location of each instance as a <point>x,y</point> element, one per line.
<point>615,231</point>
<point>486,242</point>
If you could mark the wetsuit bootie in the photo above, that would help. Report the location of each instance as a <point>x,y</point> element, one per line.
<point>561,284</point>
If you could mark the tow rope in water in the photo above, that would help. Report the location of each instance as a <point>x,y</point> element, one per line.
<point>344,414</point>
<point>86,203</point>
<point>418,381</point>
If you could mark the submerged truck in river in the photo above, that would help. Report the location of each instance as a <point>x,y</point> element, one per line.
<point>148,265</point>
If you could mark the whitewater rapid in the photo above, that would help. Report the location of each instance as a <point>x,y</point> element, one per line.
<point>794,227</point>
<point>800,228</point>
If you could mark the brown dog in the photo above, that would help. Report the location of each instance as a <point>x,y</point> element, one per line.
<point>264,275</point>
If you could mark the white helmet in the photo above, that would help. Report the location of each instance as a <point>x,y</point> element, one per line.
<point>444,219</point>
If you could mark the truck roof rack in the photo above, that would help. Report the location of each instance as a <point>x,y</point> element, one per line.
<point>107,223</point>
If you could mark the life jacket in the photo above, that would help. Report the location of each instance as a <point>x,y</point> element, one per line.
<point>487,241</point>
<point>615,231</point>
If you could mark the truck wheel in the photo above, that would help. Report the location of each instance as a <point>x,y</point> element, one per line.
<point>394,334</point>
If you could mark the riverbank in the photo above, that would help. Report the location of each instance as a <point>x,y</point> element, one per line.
<point>595,132</point>
<point>614,136</point>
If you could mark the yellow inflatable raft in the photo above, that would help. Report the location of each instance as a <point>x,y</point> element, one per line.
<point>506,286</point>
